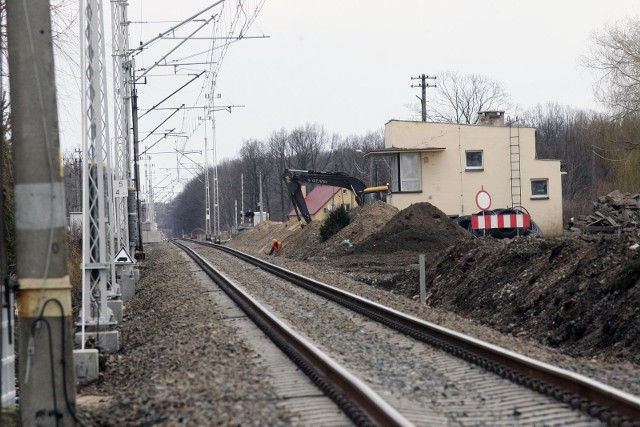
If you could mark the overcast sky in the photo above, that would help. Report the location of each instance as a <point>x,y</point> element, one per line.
<point>348,65</point>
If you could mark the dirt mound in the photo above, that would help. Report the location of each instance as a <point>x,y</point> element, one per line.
<point>365,221</point>
<point>304,243</point>
<point>257,240</point>
<point>421,227</point>
<point>582,297</point>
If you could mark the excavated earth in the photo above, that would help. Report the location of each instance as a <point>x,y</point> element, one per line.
<point>578,294</point>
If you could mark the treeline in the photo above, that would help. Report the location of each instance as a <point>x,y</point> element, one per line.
<point>309,147</point>
<point>599,155</point>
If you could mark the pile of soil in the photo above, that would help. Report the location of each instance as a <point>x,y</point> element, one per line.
<point>302,243</point>
<point>580,294</point>
<point>257,240</point>
<point>421,227</point>
<point>581,297</point>
<point>365,220</point>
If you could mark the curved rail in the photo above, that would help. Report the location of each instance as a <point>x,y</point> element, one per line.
<point>592,397</point>
<point>361,404</point>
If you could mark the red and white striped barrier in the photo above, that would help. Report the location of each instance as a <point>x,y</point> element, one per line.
<point>480,222</point>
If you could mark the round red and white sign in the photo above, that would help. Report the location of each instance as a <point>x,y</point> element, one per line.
<point>483,200</point>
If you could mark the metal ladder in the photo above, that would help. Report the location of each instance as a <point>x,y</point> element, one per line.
<point>514,159</point>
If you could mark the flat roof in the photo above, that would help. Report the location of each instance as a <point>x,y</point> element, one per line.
<point>394,150</point>
<point>506,125</point>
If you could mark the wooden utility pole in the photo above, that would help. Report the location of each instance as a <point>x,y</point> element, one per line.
<point>423,84</point>
<point>46,378</point>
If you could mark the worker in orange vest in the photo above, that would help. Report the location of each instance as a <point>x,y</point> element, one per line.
<point>275,246</point>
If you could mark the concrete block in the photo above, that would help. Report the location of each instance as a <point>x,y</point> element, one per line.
<point>152,236</point>
<point>85,365</point>
<point>108,341</point>
<point>116,308</point>
<point>128,287</point>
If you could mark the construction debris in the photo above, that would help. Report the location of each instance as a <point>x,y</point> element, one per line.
<point>616,213</point>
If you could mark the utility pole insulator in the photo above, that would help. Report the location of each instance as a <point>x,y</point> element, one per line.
<point>424,85</point>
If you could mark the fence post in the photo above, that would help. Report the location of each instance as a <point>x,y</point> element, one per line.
<point>423,291</point>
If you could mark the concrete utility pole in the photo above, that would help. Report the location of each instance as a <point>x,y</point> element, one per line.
<point>207,202</point>
<point>139,251</point>
<point>46,366</point>
<point>78,171</point>
<point>423,84</point>
<point>242,198</point>
<point>216,196</point>
<point>260,184</point>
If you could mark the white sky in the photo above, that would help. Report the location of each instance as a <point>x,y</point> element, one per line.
<point>347,64</point>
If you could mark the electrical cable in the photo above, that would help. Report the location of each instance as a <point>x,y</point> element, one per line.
<point>34,326</point>
<point>64,355</point>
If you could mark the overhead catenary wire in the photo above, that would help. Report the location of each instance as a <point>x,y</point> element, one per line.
<point>172,29</point>
<point>163,122</point>
<point>171,94</point>
<point>175,48</point>
<point>231,23</point>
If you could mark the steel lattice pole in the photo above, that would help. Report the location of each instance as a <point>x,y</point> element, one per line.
<point>121,64</point>
<point>96,248</point>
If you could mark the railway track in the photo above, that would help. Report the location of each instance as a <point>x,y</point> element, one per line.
<point>535,393</point>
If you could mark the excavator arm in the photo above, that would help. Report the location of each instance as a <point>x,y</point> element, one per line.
<point>294,178</point>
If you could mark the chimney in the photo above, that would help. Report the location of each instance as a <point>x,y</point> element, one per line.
<point>491,118</point>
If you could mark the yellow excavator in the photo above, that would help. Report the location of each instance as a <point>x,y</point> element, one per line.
<point>295,178</point>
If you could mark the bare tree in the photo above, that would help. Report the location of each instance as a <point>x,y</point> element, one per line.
<point>458,98</point>
<point>348,157</point>
<point>278,149</point>
<point>598,154</point>
<point>306,144</point>
<point>615,56</point>
<point>229,192</point>
<point>564,133</point>
<point>253,155</point>
<point>63,26</point>
<point>72,166</point>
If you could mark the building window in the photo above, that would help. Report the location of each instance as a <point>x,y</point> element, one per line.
<point>406,173</point>
<point>475,160</point>
<point>540,188</point>
<point>346,207</point>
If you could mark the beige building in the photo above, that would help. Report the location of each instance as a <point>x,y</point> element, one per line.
<point>448,164</point>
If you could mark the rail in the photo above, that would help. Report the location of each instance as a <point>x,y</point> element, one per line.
<point>592,397</point>
<point>362,405</point>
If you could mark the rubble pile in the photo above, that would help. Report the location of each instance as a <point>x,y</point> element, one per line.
<point>615,213</point>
